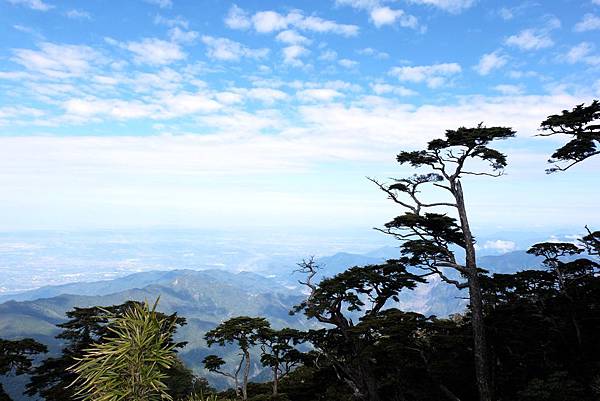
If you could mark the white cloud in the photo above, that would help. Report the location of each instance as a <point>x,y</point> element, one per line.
<point>237,18</point>
<point>364,130</point>
<point>590,22</point>
<point>490,62</point>
<point>507,89</point>
<point>381,16</point>
<point>506,13</point>
<point>269,21</point>
<point>172,22</point>
<point>369,51</point>
<point>184,103</point>
<point>266,95</point>
<point>78,14</point>
<point>166,79</point>
<point>229,50</point>
<point>321,25</point>
<point>434,75</point>
<point>582,53</point>
<point>15,75</point>
<point>79,110</point>
<point>292,37</point>
<point>579,52</point>
<point>500,245</point>
<point>292,55</point>
<point>37,5</point>
<point>382,89</point>
<point>161,3</point>
<point>318,95</point>
<point>535,39</point>
<point>11,113</point>
<point>154,51</point>
<point>25,29</point>
<point>57,60</point>
<point>272,21</point>
<point>178,35</point>
<point>347,63</point>
<point>518,74</point>
<point>452,6</point>
<point>360,4</point>
<point>227,97</point>
<point>328,55</point>
<point>530,39</point>
<point>369,129</point>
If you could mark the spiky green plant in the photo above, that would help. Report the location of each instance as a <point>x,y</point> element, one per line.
<point>209,397</point>
<point>130,364</point>
<point>202,397</point>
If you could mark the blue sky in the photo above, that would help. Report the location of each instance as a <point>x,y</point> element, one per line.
<point>221,114</point>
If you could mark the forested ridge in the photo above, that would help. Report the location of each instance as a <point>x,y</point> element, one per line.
<point>531,335</point>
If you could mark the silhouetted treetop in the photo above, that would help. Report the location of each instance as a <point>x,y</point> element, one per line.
<point>551,251</point>
<point>439,227</point>
<point>591,242</point>
<point>585,136</point>
<point>16,358</point>
<point>459,145</point>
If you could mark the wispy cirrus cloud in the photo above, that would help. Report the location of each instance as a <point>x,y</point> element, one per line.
<point>58,60</point>
<point>582,53</point>
<point>78,14</point>
<point>38,5</point>
<point>228,50</point>
<point>452,6</point>
<point>590,22</point>
<point>383,89</point>
<point>434,75</point>
<point>535,38</point>
<point>491,61</point>
<point>369,51</point>
<point>151,51</point>
<point>161,3</point>
<point>272,21</point>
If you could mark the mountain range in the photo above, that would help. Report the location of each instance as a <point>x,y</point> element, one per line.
<point>207,297</point>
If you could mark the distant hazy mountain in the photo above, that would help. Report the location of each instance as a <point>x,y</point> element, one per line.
<point>510,262</point>
<point>204,298</point>
<point>139,280</point>
<point>208,297</point>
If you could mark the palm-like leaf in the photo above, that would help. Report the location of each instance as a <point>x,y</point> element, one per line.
<point>130,364</point>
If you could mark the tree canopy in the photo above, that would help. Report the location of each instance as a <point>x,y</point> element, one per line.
<point>578,124</point>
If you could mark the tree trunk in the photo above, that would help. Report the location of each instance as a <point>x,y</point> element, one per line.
<point>246,374</point>
<point>369,383</point>
<point>275,381</point>
<point>237,386</point>
<point>482,371</point>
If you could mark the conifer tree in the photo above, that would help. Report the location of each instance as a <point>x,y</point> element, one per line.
<point>430,239</point>
<point>579,124</point>
<point>342,302</point>
<point>16,358</point>
<point>279,352</point>
<point>243,331</point>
